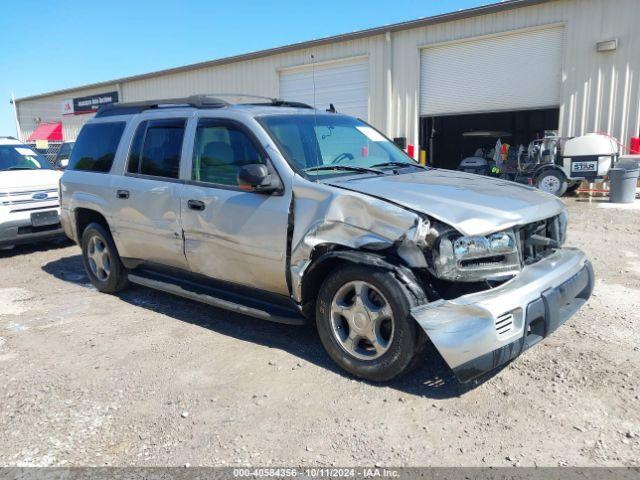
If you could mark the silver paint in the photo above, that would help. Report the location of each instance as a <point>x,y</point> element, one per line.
<point>471,204</point>
<point>464,328</point>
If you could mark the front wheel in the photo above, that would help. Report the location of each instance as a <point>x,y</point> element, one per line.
<point>363,320</point>
<point>101,260</point>
<point>552,181</point>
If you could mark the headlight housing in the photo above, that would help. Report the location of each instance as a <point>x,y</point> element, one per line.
<point>563,220</point>
<point>471,259</point>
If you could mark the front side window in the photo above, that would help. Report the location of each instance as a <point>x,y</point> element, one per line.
<point>312,141</point>
<point>96,147</point>
<point>21,157</point>
<point>220,150</point>
<point>157,147</point>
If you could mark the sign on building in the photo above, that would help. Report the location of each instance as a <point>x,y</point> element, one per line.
<point>89,104</point>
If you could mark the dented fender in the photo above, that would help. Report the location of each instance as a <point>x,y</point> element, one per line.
<point>326,215</point>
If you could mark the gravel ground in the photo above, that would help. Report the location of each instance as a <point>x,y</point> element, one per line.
<point>145,379</point>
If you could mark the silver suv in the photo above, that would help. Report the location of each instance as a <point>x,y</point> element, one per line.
<point>286,213</point>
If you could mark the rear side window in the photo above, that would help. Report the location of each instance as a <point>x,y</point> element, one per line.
<point>96,147</point>
<point>156,148</point>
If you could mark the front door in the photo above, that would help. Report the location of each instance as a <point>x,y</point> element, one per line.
<point>147,213</point>
<point>231,234</point>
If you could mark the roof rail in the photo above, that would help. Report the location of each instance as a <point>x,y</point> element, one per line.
<point>196,101</point>
<point>270,101</point>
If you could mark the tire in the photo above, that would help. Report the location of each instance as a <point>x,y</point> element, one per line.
<point>101,260</point>
<point>399,338</point>
<point>552,181</point>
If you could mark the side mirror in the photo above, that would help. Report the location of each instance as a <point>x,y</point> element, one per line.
<point>255,177</point>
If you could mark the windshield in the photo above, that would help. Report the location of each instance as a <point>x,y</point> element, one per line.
<point>21,157</point>
<point>329,144</point>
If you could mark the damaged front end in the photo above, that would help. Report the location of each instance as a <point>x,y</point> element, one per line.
<point>481,299</point>
<point>330,220</point>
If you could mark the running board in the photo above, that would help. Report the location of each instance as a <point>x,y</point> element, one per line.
<point>213,296</point>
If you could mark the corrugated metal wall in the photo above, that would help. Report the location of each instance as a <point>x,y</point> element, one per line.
<point>260,76</point>
<point>49,109</point>
<point>599,91</point>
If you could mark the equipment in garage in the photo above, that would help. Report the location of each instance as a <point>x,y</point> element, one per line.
<point>557,165</point>
<point>553,164</point>
<point>449,139</point>
<point>588,157</point>
<point>487,158</point>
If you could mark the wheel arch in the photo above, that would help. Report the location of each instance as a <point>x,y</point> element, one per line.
<point>84,216</point>
<point>327,260</point>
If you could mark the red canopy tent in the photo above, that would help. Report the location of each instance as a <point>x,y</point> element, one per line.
<point>47,131</point>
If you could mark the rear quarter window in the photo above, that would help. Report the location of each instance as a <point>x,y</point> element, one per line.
<point>96,147</point>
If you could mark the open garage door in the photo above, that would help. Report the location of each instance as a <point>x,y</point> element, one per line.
<point>451,138</point>
<point>345,84</point>
<point>514,71</point>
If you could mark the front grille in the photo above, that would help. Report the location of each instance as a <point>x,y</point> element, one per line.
<point>19,201</point>
<point>539,239</point>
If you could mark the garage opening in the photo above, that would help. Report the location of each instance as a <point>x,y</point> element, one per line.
<point>448,139</point>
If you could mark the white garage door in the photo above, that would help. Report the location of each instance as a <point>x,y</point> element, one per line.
<point>508,72</point>
<point>345,84</point>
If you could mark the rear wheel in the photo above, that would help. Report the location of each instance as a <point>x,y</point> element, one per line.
<point>552,181</point>
<point>364,324</point>
<point>101,260</point>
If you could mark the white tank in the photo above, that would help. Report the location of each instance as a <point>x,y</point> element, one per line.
<point>589,156</point>
<point>591,144</point>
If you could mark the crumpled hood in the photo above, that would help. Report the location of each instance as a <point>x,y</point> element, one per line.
<point>27,180</point>
<point>472,204</point>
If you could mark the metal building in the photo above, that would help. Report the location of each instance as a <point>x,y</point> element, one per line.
<point>520,66</point>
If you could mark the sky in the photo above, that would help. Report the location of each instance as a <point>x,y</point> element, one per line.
<point>51,45</point>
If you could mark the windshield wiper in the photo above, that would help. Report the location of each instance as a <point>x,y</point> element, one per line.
<point>19,168</point>
<point>400,164</point>
<point>346,168</point>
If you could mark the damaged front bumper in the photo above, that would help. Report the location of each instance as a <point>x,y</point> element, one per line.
<point>478,332</point>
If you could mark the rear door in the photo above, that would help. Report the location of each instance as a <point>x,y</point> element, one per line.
<point>230,234</point>
<point>147,205</point>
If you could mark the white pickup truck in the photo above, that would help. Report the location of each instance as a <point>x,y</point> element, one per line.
<point>29,202</point>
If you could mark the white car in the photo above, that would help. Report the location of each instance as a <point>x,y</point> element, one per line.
<point>29,202</point>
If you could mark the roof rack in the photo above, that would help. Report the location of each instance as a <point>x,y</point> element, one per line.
<point>195,101</point>
<point>270,101</point>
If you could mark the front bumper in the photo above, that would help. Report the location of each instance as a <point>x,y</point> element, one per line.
<point>17,228</point>
<point>478,332</point>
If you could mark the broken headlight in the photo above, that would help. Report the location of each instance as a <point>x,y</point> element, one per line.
<point>472,259</point>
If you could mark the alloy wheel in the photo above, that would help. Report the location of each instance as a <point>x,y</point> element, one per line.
<point>362,320</point>
<point>99,258</point>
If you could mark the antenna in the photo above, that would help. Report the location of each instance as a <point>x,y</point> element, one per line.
<point>315,113</point>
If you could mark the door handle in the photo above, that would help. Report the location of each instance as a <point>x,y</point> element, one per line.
<point>196,205</point>
<point>123,194</point>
